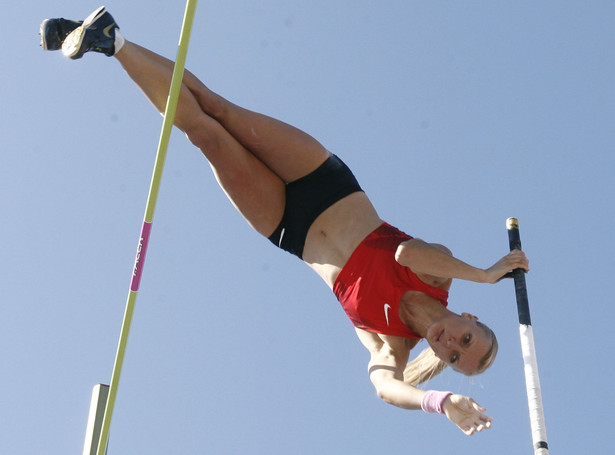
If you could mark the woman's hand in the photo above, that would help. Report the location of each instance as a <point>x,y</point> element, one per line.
<point>466,414</point>
<point>516,259</point>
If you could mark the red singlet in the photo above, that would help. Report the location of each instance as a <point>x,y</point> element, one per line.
<point>372,282</point>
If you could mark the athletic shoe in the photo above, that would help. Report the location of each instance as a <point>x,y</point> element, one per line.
<point>97,34</point>
<point>54,31</point>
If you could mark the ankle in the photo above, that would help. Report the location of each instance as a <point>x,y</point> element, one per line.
<point>119,42</point>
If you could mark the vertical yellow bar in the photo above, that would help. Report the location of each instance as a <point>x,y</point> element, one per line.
<point>165,134</point>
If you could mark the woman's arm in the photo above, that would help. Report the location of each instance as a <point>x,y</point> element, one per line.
<point>389,356</point>
<point>388,380</point>
<point>386,373</point>
<point>424,258</point>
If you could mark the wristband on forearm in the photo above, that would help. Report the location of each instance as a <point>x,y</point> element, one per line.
<point>433,400</point>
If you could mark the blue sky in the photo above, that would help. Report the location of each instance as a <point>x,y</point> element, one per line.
<point>453,115</point>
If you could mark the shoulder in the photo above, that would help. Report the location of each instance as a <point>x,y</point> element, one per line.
<point>408,253</point>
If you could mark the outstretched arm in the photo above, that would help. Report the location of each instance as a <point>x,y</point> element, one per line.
<point>386,367</point>
<point>427,259</point>
<point>461,410</point>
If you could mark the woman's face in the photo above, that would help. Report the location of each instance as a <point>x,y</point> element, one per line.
<point>459,342</point>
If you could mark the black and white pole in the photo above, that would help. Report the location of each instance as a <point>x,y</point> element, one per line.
<point>530,365</point>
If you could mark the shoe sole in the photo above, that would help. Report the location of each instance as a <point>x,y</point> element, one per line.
<point>43,34</point>
<point>72,43</point>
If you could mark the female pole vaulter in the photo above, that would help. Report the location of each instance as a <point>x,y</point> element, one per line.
<point>305,200</point>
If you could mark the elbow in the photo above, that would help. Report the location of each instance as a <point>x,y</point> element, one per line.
<point>385,390</point>
<point>381,388</point>
<point>384,396</point>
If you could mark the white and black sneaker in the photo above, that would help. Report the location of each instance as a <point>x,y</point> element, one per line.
<point>54,31</point>
<point>96,33</point>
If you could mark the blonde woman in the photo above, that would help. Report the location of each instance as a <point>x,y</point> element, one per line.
<point>305,200</point>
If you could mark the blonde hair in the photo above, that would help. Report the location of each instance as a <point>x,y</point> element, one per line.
<point>427,365</point>
<point>423,368</point>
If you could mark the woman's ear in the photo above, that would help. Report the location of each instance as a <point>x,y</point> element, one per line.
<point>469,316</point>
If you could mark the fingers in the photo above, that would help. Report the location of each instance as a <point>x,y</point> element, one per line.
<point>516,259</point>
<point>478,422</point>
<point>468,415</point>
<point>476,427</point>
<point>519,260</point>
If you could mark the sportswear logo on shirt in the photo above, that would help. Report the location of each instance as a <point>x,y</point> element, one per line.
<point>387,307</point>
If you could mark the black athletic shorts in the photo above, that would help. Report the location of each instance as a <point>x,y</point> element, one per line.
<point>308,197</point>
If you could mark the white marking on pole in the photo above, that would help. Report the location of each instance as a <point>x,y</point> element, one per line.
<point>532,384</point>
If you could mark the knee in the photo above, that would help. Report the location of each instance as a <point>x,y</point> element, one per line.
<point>211,103</point>
<point>203,132</point>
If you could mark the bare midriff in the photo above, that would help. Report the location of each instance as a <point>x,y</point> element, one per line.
<point>336,233</point>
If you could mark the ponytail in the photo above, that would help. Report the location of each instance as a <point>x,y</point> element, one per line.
<point>423,368</point>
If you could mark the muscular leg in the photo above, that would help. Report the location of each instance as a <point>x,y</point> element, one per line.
<point>288,151</point>
<point>255,190</point>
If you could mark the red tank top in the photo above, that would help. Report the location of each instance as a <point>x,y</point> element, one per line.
<point>372,282</point>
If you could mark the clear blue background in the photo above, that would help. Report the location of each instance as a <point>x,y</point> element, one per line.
<point>453,115</point>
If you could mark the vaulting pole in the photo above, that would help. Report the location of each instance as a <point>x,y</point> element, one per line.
<point>530,365</point>
<point>165,134</point>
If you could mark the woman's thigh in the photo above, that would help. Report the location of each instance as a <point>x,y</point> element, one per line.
<point>288,151</point>
<point>254,189</point>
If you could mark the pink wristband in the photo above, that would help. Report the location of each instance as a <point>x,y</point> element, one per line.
<point>433,400</point>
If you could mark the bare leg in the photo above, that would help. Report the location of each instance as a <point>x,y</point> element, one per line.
<point>255,190</point>
<point>286,150</point>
